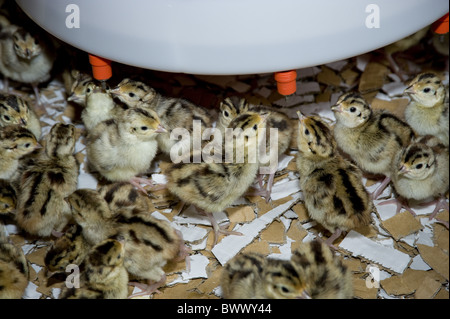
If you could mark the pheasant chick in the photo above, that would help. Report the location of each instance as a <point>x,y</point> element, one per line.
<point>121,149</point>
<point>324,274</point>
<point>212,187</point>
<point>15,142</point>
<point>26,58</point>
<point>175,113</point>
<point>78,88</point>
<point>91,212</point>
<point>105,276</point>
<point>422,172</point>
<point>427,113</point>
<point>70,248</point>
<point>13,268</point>
<point>15,110</point>
<point>8,197</point>
<point>372,139</point>
<point>332,186</point>
<point>254,276</point>
<point>41,205</point>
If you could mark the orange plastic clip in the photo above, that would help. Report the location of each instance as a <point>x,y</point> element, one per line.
<point>101,67</point>
<point>441,25</point>
<point>286,83</point>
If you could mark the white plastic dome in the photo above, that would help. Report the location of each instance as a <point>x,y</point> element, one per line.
<point>231,36</point>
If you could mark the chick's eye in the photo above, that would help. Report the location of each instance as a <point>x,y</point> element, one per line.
<point>131,94</point>
<point>353,109</point>
<point>419,166</point>
<point>88,90</point>
<point>426,90</point>
<point>6,118</point>
<point>27,145</point>
<point>306,132</point>
<point>284,289</point>
<point>144,128</point>
<point>226,114</point>
<point>255,127</point>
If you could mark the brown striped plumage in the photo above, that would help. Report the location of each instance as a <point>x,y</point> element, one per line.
<point>79,87</point>
<point>16,110</point>
<point>41,205</point>
<point>105,276</point>
<point>123,196</point>
<point>8,197</point>
<point>13,268</point>
<point>332,186</point>
<point>371,138</point>
<point>27,56</point>
<point>149,242</point>
<point>254,276</point>
<point>230,108</point>
<point>276,120</point>
<point>118,211</point>
<point>428,111</point>
<point>173,112</point>
<point>212,187</point>
<point>15,143</point>
<point>70,248</point>
<point>91,212</point>
<point>324,274</point>
<point>421,172</point>
<point>120,149</point>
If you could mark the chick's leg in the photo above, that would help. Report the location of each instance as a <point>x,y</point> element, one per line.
<point>381,188</point>
<point>217,229</point>
<point>400,203</point>
<point>441,204</point>
<point>39,105</point>
<point>184,252</point>
<point>261,191</point>
<point>137,181</point>
<point>332,238</point>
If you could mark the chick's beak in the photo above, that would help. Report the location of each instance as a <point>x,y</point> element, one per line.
<point>336,108</point>
<point>304,295</point>
<point>115,91</point>
<point>301,117</point>
<point>160,129</point>
<point>403,170</point>
<point>264,117</point>
<point>410,90</point>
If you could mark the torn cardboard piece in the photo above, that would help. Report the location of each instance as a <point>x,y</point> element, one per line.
<point>387,257</point>
<point>436,258</point>
<point>232,244</point>
<point>401,225</point>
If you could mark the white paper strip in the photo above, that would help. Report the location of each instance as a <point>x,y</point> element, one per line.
<point>388,257</point>
<point>232,244</point>
<point>281,190</point>
<point>283,161</point>
<point>193,233</point>
<point>198,267</point>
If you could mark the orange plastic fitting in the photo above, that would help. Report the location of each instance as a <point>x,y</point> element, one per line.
<point>441,25</point>
<point>101,67</point>
<point>286,84</point>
